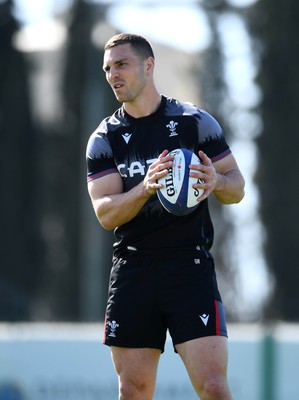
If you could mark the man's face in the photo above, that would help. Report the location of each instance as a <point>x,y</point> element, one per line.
<point>125,72</point>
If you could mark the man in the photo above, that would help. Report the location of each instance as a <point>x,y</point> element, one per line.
<point>163,275</point>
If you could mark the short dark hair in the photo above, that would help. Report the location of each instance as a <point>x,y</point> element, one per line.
<point>139,44</point>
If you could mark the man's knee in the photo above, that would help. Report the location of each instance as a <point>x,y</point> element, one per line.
<point>136,370</point>
<point>215,388</point>
<point>135,390</point>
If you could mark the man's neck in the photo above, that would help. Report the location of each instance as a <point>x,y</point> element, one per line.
<point>143,107</point>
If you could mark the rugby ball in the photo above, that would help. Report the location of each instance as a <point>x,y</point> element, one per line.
<point>177,195</point>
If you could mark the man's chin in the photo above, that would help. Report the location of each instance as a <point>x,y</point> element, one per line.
<point>120,98</point>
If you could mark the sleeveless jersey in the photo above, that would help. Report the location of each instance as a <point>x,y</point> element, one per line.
<point>126,145</point>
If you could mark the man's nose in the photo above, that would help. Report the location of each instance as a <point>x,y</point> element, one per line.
<point>113,74</point>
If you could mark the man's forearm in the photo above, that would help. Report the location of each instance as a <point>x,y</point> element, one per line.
<point>117,209</point>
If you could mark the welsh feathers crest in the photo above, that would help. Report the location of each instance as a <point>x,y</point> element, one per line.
<point>113,325</point>
<point>172,127</point>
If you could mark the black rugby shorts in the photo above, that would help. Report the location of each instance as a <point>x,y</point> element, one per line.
<point>148,295</point>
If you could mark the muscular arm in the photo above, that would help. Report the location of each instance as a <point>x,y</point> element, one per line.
<point>223,178</point>
<point>113,207</point>
<point>230,183</point>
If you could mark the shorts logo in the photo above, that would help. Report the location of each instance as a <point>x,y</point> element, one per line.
<point>113,325</point>
<point>204,318</point>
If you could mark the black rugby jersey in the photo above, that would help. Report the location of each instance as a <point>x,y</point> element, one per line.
<point>129,145</point>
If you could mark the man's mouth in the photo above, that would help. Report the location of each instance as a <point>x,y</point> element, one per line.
<point>118,86</point>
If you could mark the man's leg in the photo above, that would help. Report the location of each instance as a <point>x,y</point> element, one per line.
<point>136,370</point>
<point>206,362</point>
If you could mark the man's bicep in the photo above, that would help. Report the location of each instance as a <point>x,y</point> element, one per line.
<point>105,186</point>
<point>226,164</point>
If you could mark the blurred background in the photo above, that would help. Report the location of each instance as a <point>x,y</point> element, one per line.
<point>237,59</point>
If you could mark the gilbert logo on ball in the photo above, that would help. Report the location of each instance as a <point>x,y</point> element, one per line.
<point>177,194</point>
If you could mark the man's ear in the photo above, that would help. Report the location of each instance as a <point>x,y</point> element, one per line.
<point>150,63</point>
